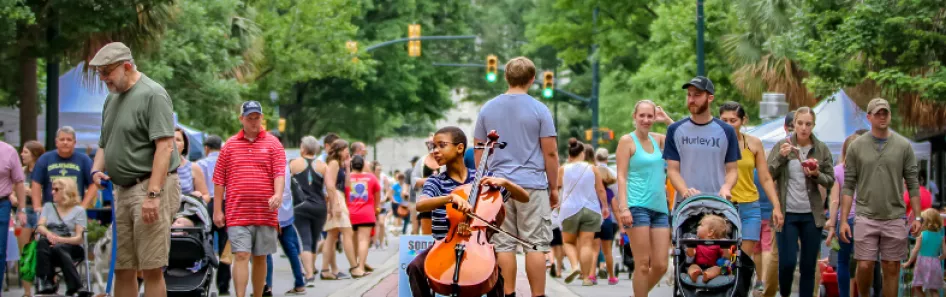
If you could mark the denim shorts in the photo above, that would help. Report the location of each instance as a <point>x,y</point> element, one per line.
<point>32,218</point>
<point>645,217</point>
<point>751,215</point>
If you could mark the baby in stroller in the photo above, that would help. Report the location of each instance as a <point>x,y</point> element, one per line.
<point>708,260</point>
<point>192,260</point>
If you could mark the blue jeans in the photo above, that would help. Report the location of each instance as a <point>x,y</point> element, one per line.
<point>798,227</point>
<point>844,260</point>
<point>5,209</point>
<point>289,240</point>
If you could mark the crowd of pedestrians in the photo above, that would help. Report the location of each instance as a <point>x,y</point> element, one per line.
<point>332,199</point>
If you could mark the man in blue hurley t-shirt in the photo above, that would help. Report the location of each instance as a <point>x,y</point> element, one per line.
<point>701,151</point>
<point>64,162</point>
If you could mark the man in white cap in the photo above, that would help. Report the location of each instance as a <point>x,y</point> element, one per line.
<point>138,138</point>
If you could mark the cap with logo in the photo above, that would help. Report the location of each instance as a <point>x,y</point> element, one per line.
<point>110,54</point>
<point>702,83</point>
<point>251,107</point>
<point>877,104</point>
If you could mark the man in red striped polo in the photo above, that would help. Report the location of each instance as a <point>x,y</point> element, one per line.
<point>250,171</point>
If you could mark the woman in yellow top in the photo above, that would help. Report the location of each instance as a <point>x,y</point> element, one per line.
<point>745,195</point>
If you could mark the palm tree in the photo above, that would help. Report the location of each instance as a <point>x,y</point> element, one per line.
<point>761,64</point>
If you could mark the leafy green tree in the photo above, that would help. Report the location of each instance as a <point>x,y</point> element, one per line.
<point>888,48</point>
<point>200,62</point>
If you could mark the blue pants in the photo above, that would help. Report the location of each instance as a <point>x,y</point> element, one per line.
<point>844,261</point>
<point>798,227</point>
<point>5,208</point>
<point>289,240</point>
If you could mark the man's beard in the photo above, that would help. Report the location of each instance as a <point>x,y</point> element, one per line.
<point>699,109</point>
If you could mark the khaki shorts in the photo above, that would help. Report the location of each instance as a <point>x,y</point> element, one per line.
<point>585,220</point>
<point>144,246</point>
<point>886,238</point>
<point>531,221</point>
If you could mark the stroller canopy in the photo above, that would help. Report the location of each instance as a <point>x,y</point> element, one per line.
<point>191,206</point>
<point>703,204</point>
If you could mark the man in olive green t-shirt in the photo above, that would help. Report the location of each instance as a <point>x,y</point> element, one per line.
<point>878,163</point>
<point>138,138</point>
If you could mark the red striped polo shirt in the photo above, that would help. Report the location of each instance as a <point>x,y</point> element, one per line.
<point>247,170</point>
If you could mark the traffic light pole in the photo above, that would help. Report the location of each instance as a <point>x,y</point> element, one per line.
<point>595,77</point>
<point>387,43</point>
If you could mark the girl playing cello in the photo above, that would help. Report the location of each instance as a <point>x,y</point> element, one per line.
<point>449,145</point>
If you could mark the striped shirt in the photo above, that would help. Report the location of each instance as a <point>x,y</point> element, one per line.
<point>441,185</point>
<point>247,169</point>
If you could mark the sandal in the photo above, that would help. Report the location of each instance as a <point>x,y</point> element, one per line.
<point>354,276</point>
<point>323,273</point>
<point>369,268</point>
<point>295,292</point>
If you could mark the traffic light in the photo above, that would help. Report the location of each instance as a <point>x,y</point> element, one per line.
<point>413,46</point>
<point>352,47</point>
<point>548,84</point>
<point>282,125</point>
<point>605,135</point>
<point>492,64</point>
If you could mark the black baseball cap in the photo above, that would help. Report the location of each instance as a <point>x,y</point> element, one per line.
<point>251,107</point>
<point>702,83</point>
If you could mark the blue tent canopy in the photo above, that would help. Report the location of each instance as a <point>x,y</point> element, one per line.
<point>80,106</point>
<point>836,118</point>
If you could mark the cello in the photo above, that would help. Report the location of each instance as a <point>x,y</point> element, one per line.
<point>463,264</point>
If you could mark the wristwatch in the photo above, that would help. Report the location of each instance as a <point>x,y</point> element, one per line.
<point>919,219</point>
<point>154,195</point>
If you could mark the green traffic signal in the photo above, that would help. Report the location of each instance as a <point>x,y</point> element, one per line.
<point>491,77</point>
<point>547,93</point>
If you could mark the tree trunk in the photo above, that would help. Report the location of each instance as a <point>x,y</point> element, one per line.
<point>28,98</point>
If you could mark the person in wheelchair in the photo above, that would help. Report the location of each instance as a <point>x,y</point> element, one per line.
<point>61,226</point>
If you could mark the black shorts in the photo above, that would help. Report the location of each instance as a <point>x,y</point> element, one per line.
<point>424,215</point>
<point>365,225</point>
<point>556,237</point>
<point>607,230</point>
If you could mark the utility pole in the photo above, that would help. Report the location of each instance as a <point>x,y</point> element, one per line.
<point>52,88</point>
<point>593,104</point>
<point>700,67</point>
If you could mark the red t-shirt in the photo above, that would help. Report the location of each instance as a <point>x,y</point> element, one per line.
<point>706,255</point>
<point>248,170</point>
<point>926,200</point>
<point>362,195</point>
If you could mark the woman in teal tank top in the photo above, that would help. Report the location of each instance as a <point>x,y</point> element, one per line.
<point>641,204</point>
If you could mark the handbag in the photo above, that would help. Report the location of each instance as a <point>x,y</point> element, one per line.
<point>402,210</point>
<point>28,262</point>
<point>60,228</point>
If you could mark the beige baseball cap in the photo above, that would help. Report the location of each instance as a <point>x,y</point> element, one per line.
<point>111,53</point>
<point>877,104</point>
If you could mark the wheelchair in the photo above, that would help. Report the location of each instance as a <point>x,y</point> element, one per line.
<point>85,272</point>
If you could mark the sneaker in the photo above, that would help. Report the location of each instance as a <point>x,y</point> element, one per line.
<point>759,286</point>
<point>267,291</point>
<point>594,280</point>
<point>612,281</point>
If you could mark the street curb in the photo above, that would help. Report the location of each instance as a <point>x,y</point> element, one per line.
<point>361,286</point>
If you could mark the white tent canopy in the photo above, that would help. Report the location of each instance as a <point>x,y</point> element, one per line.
<point>836,118</point>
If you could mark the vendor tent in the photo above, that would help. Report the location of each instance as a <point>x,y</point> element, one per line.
<point>836,118</point>
<point>80,106</point>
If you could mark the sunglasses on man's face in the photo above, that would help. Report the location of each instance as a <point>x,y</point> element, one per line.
<point>105,71</point>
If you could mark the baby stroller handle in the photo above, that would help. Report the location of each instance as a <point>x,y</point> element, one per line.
<point>188,230</point>
<point>719,242</point>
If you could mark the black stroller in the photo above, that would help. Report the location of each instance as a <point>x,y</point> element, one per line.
<point>192,264</point>
<point>686,219</point>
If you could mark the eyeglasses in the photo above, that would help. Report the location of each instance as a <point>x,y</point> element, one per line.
<point>442,145</point>
<point>56,189</point>
<point>107,70</point>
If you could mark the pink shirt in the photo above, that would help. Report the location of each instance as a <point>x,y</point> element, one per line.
<point>839,178</point>
<point>926,200</point>
<point>11,170</point>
